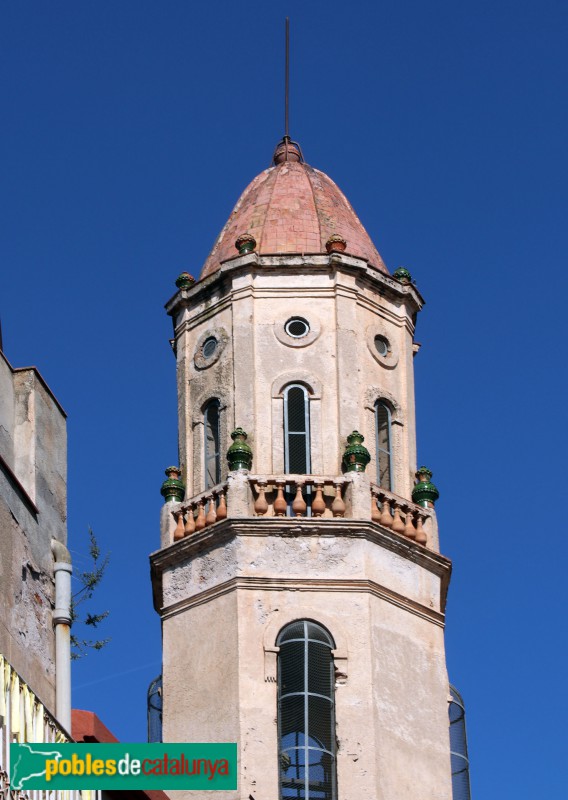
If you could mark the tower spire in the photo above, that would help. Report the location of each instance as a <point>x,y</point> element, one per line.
<point>287,82</point>
<point>286,149</point>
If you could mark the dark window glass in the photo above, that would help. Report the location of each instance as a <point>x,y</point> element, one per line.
<point>296,431</point>
<point>292,674</point>
<point>209,347</point>
<point>212,444</point>
<point>306,713</point>
<point>383,443</point>
<point>458,748</point>
<point>297,440</point>
<point>297,327</point>
<point>382,346</point>
<point>318,676</point>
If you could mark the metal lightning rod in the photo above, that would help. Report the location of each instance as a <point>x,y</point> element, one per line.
<point>287,81</point>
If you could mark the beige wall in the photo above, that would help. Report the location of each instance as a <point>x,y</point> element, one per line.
<point>227,593</point>
<point>346,304</point>
<point>33,510</point>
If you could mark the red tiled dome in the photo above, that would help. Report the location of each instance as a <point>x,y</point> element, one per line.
<point>292,208</point>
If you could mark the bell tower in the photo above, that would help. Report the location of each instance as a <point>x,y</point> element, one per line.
<point>299,580</point>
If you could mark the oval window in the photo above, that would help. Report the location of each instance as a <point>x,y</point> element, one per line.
<point>382,346</point>
<point>209,347</point>
<point>297,327</point>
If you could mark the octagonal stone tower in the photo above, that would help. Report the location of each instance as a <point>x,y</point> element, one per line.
<point>300,586</point>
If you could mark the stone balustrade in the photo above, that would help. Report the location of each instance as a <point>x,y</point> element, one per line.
<point>298,495</point>
<point>201,511</point>
<point>244,495</point>
<point>399,515</point>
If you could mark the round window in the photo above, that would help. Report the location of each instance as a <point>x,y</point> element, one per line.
<point>297,327</point>
<point>209,347</point>
<point>382,346</point>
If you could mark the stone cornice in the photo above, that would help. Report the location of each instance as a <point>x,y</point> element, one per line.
<point>285,291</point>
<point>40,378</point>
<point>295,264</point>
<point>220,533</point>
<point>306,585</point>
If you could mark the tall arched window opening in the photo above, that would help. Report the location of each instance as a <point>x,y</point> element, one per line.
<point>297,456</point>
<point>211,444</point>
<point>296,430</point>
<point>306,713</point>
<point>383,439</point>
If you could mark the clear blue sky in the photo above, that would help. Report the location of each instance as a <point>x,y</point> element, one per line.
<point>129,130</point>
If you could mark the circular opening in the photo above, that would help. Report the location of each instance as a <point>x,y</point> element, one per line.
<point>297,327</point>
<point>382,345</point>
<point>209,347</point>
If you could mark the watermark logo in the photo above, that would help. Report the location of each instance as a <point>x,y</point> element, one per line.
<point>123,766</point>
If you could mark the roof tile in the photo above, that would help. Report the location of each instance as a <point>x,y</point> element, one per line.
<point>292,208</point>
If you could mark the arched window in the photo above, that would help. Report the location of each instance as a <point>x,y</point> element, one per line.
<point>296,430</point>
<point>383,445</point>
<point>211,444</point>
<point>306,713</point>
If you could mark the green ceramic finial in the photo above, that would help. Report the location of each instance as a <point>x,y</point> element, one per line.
<point>239,454</point>
<point>173,490</point>
<point>356,456</point>
<point>424,493</point>
<point>246,243</point>
<point>185,281</point>
<point>402,275</point>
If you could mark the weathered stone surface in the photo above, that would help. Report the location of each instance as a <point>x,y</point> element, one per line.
<point>225,592</point>
<point>391,679</point>
<point>347,304</point>
<point>293,208</point>
<point>33,510</point>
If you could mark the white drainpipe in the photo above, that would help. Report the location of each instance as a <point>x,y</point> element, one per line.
<point>62,624</point>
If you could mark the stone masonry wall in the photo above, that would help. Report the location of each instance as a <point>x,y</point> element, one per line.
<point>33,510</point>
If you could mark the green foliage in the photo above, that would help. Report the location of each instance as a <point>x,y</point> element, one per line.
<point>89,580</point>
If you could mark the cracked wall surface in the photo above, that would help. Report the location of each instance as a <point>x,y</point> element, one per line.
<point>226,592</point>
<point>33,510</point>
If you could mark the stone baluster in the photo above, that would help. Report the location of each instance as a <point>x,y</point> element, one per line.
<point>222,507</point>
<point>189,522</point>
<point>178,532</point>
<point>421,537</point>
<point>397,523</point>
<point>211,517</point>
<point>280,504</point>
<point>200,521</point>
<point>260,504</point>
<point>338,505</point>
<point>409,529</point>
<point>386,519</point>
<point>299,505</point>
<point>375,513</point>
<point>318,503</point>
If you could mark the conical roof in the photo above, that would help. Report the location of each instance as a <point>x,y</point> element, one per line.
<point>292,208</point>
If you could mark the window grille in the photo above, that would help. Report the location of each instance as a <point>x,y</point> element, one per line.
<point>458,747</point>
<point>306,713</point>
<point>296,430</point>
<point>212,449</point>
<point>155,710</point>
<point>297,456</point>
<point>383,445</point>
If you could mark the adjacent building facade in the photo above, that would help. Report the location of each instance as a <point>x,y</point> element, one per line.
<point>33,512</point>
<point>35,567</point>
<point>299,579</point>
